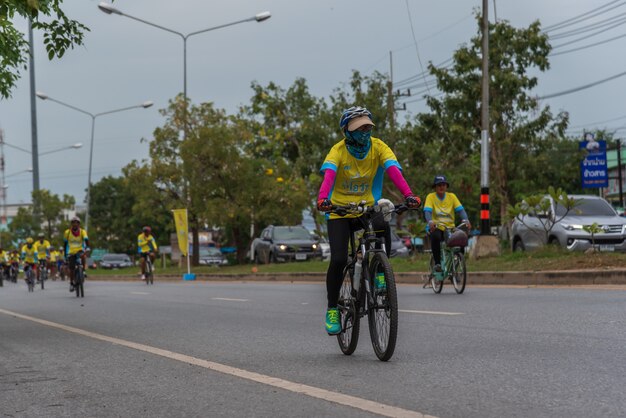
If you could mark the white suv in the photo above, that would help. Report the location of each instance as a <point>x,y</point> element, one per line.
<point>529,233</point>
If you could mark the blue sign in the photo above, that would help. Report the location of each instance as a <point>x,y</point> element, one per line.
<point>593,169</point>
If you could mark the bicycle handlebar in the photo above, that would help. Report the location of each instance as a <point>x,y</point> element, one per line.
<point>361,208</point>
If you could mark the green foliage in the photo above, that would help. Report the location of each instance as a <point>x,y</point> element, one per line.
<point>593,229</point>
<point>521,130</point>
<point>51,209</point>
<point>59,34</point>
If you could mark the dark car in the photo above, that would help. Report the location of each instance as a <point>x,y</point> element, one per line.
<point>115,261</point>
<point>285,243</point>
<point>211,256</point>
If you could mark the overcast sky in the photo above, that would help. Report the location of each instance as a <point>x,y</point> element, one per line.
<point>125,62</point>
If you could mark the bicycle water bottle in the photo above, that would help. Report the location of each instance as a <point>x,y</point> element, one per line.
<point>358,270</point>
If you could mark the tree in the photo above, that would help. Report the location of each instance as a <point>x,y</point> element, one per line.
<point>21,225</point>
<point>521,130</point>
<point>59,34</point>
<point>539,206</point>
<point>51,210</point>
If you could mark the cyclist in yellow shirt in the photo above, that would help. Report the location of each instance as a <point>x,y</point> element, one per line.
<point>146,247</point>
<point>29,255</point>
<point>42,245</point>
<point>54,256</point>
<point>4,264</point>
<point>76,243</point>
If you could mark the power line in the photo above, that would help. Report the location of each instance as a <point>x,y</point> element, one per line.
<point>578,19</point>
<point>419,59</point>
<point>588,28</point>
<point>586,86</point>
<point>587,46</point>
<point>589,36</point>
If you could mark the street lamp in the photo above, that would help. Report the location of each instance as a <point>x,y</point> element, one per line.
<point>73,146</point>
<point>93,116</point>
<point>259,17</point>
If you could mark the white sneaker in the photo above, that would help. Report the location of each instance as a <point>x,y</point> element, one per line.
<point>143,277</point>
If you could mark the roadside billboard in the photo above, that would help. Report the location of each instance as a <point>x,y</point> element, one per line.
<point>593,169</point>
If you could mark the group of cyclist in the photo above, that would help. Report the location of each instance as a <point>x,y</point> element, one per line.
<point>353,172</point>
<point>61,262</point>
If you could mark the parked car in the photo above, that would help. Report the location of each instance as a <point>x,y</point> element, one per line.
<point>284,243</point>
<point>398,248</point>
<point>528,233</point>
<point>211,256</point>
<point>115,261</point>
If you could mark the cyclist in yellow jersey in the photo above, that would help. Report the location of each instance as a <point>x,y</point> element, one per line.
<point>29,255</point>
<point>54,256</point>
<point>4,262</point>
<point>43,251</point>
<point>441,208</point>
<point>146,247</point>
<point>76,242</point>
<point>353,172</point>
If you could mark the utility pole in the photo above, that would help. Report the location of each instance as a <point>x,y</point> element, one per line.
<point>485,227</point>
<point>619,174</point>
<point>33,121</point>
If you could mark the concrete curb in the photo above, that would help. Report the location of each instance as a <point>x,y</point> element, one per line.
<point>521,278</point>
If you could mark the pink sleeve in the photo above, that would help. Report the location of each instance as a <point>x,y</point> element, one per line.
<point>327,184</point>
<point>396,176</point>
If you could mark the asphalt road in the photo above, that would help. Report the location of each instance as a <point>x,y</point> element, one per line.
<point>259,349</point>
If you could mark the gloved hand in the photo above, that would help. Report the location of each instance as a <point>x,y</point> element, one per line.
<point>324,205</point>
<point>413,202</point>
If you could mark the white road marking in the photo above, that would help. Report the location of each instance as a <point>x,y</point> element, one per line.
<point>139,293</point>
<point>430,312</point>
<point>232,300</point>
<point>312,391</point>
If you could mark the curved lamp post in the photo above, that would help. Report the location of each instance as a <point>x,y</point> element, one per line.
<point>93,116</point>
<point>259,17</point>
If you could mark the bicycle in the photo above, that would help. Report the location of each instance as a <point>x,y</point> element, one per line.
<point>452,261</point>
<point>43,272</point>
<point>30,276</point>
<point>13,272</point>
<point>149,270</point>
<point>358,297</point>
<point>79,275</point>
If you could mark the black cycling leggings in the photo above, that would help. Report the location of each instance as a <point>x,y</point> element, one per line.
<point>436,237</point>
<point>339,231</point>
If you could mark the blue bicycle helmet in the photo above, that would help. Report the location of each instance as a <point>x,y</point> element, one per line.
<point>352,113</point>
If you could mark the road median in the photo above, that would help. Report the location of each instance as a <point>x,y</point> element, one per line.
<point>518,278</point>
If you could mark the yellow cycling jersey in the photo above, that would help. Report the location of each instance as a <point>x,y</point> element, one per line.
<point>4,257</point>
<point>14,257</point>
<point>75,243</point>
<point>146,244</point>
<point>358,179</point>
<point>443,209</point>
<point>42,247</point>
<point>29,254</point>
<point>54,255</point>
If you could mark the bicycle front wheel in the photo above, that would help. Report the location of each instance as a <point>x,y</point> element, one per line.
<point>78,282</point>
<point>437,285</point>
<point>459,273</point>
<point>348,314</point>
<point>383,314</point>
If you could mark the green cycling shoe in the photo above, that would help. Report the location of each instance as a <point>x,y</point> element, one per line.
<point>333,326</point>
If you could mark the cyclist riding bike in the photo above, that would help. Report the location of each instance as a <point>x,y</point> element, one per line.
<point>14,261</point>
<point>75,241</point>
<point>146,247</point>
<point>54,257</point>
<point>4,263</point>
<point>29,255</point>
<point>353,172</point>
<point>440,209</point>
<point>43,248</point>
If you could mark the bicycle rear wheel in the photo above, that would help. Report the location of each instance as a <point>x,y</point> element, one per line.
<point>42,277</point>
<point>383,315</point>
<point>348,315</point>
<point>437,285</point>
<point>78,282</point>
<point>459,274</point>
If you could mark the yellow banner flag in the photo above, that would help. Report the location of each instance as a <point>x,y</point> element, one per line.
<point>182,232</point>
